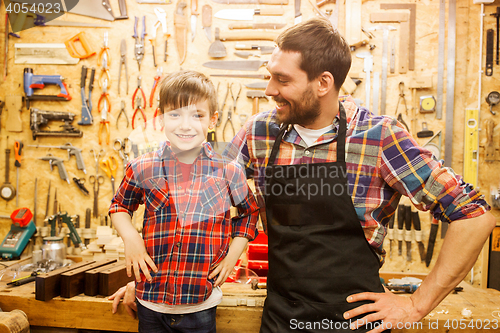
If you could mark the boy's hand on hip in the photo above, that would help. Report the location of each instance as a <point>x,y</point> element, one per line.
<point>224,269</point>
<point>137,258</point>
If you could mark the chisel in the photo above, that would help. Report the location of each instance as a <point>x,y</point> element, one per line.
<point>400,232</point>
<point>418,235</point>
<point>432,241</point>
<point>390,234</point>
<point>408,232</point>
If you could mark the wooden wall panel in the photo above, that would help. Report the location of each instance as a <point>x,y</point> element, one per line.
<point>426,57</point>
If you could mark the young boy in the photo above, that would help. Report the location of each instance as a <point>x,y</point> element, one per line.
<point>188,190</point>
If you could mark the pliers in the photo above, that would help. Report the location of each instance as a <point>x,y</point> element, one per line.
<point>139,108</point>
<point>123,62</point>
<point>122,111</point>
<point>159,73</point>
<point>139,42</point>
<point>230,112</point>
<point>157,111</point>
<point>104,58</point>
<point>139,79</point>
<point>104,124</point>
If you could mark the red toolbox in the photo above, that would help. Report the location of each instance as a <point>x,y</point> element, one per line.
<point>257,256</point>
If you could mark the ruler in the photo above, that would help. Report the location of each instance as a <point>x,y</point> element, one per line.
<point>440,80</point>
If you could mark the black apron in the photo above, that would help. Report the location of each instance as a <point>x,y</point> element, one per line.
<point>318,253</point>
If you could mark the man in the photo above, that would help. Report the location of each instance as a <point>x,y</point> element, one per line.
<point>332,175</point>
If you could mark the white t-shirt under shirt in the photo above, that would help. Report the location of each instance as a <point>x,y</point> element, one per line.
<point>214,299</point>
<point>309,135</point>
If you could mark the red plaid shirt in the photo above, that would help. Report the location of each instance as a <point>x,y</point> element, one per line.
<point>187,229</point>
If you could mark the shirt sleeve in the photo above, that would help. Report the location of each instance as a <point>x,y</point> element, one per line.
<point>129,195</point>
<point>245,224</point>
<point>414,172</point>
<point>239,148</point>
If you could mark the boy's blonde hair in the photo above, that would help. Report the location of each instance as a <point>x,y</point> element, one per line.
<point>182,88</point>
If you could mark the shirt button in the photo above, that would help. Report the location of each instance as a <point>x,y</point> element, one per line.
<point>178,244</point>
<point>180,187</point>
<point>307,152</point>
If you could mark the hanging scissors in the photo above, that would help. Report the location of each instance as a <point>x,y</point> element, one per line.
<point>109,165</point>
<point>96,182</point>
<point>123,147</point>
<point>230,113</point>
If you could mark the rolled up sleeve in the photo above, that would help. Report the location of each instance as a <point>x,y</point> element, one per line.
<point>129,195</point>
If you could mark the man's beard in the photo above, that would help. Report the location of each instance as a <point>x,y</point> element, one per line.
<point>302,114</point>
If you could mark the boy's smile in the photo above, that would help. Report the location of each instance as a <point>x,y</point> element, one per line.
<point>186,128</point>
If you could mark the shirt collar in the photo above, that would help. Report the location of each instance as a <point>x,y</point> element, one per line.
<point>165,150</point>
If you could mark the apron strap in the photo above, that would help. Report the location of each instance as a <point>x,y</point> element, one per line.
<point>340,138</point>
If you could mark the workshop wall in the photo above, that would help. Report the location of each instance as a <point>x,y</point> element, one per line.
<point>75,202</point>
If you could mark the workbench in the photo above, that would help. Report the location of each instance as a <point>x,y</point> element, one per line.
<point>240,311</point>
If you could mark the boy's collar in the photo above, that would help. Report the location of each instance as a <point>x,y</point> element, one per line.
<point>166,150</point>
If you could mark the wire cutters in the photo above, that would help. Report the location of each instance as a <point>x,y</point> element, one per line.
<point>122,111</point>
<point>109,165</point>
<point>162,20</point>
<point>123,62</point>
<point>401,96</point>
<point>139,108</point>
<point>104,124</point>
<point>123,148</point>
<point>139,42</point>
<point>103,59</point>
<point>155,116</point>
<point>159,73</point>
<point>139,79</point>
<point>230,112</point>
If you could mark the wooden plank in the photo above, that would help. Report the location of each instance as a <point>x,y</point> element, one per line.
<point>353,21</point>
<point>48,285</point>
<point>110,280</point>
<point>92,278</point>
<point>73,282</point>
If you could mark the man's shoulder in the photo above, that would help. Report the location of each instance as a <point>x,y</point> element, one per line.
<point>364,120</point>
<point>264,124</point>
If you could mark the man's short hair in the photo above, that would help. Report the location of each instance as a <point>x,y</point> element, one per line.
<point>182,88</point>
<point>322,49</point>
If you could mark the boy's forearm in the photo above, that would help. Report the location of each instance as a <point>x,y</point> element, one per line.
<point>237,247</point>
<point>123,224</point>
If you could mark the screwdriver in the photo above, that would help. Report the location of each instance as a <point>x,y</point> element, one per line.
<point>18,147</point>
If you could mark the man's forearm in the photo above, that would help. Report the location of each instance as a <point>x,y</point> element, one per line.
<point>461,247</point>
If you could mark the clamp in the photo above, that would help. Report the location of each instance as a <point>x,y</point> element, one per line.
<point>139,108</point>
<point>162,20</point>
<point>159,73</point>
<point>103,59</point>
<point>139,42</point>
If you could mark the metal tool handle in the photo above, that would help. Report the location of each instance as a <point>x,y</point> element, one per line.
<point>83,77</point>
<point>7,158</point>
<point>143,26</point>
<point>123,10</point>
<point>62,170</point>
<point>135,27</point>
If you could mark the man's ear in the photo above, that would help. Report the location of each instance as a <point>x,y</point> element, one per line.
<point>213,120</point>
<point>325,83</point>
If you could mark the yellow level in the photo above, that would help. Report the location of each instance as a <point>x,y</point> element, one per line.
<point>471,145</point>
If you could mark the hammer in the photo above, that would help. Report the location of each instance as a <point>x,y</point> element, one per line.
<point>256,94</point>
